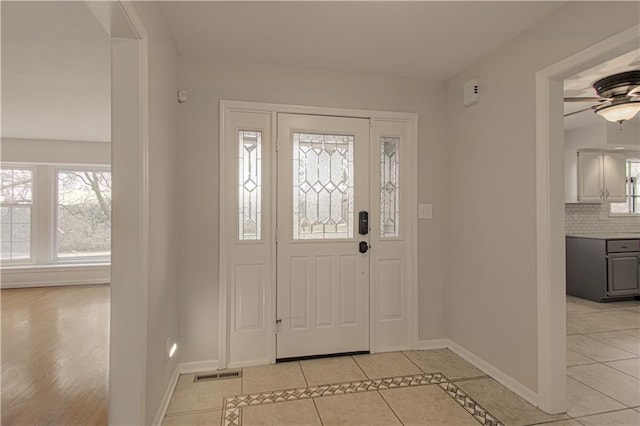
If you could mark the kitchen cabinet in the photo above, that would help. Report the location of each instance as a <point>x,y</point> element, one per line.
<point>603,267</point>
<point>595,176</point>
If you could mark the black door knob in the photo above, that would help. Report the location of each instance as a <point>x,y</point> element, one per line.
<point>364,247</point>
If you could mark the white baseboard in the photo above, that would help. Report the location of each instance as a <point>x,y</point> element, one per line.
<point>198,366</point>
<point>166,399</point>
<point>500,376</point>
<point>434,344</point>
<point>248,363</point>
<point>54,275</point>
<point>54,283</point>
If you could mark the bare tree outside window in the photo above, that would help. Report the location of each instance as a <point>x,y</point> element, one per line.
<point>16,199</point>
<point>84,213</point>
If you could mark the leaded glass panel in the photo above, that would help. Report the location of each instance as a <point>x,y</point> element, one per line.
<point>322,186</point>
<point>389,186</point>
<point>250,187</point>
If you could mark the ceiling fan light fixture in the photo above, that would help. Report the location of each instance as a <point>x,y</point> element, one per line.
<point>619,112</point>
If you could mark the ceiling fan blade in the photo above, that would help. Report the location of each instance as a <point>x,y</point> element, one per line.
<point>634,92</point>
<point>579,111</point>
<point>593,99</point>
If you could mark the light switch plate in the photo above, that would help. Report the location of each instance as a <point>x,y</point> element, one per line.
<point>425,211</point>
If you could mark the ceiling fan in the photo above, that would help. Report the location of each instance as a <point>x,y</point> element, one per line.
<point>618,97</point>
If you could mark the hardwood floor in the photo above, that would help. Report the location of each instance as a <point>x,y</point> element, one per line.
<point>55,355</point>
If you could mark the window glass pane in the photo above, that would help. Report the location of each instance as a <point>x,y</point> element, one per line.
<point>84,213</point>
<point>632,205</point>
<point>250,187</point>
<point>322,186</point>
<point>389,187</point>
<point>16,197</point>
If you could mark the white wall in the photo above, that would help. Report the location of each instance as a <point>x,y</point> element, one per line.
<point>162,321</point>
<point>491,253</point>
<point>55,151</point>
<point>209,81</point>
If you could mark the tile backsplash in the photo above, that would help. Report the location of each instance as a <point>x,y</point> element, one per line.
<point>594,218</point>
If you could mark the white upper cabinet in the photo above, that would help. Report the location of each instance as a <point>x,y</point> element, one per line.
<point>615,177</point>
<point>600,177</point>
<point>590,177</point>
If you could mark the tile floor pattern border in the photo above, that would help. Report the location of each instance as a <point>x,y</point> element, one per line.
<point>232,406</point>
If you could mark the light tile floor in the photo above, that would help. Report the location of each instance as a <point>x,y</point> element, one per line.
<point>434,387</point>
<point>603,362</point>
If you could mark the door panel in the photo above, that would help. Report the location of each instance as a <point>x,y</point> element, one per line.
<point>322,279</point>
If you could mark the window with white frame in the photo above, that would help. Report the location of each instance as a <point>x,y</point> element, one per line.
<point>16,199</point>
<point>53,214</point>
<point>83,216</point>
<point>632,205</point>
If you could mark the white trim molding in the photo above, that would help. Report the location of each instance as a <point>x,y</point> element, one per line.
<point>57,275</point>
<point>551,298</point>
<point>166,398</point>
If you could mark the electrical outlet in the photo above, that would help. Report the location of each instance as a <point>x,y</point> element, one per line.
<point>425,211</point>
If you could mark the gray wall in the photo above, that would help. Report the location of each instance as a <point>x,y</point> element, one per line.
<point>491,235</point>
<point>208,81</point>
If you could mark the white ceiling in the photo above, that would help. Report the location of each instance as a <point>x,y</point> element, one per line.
<point>429,40</point>
<point>580,85</point>
<point>55,72</point>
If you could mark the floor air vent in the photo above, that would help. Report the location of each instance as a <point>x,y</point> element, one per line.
<point>217,376</point>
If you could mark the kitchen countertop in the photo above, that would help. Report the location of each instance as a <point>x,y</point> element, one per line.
<point>609,236</point>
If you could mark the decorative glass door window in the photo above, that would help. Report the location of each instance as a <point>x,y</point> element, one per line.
<point>250,188</point>
<point>389,187</point>
<point>322,186</point>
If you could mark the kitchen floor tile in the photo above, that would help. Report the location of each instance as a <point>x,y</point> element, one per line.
<point>331,370</point>
<point>583,400</point>
<point>366,408</point>
<point>206,395</point>
<point>574,358</point>
<point>262,378</point>
<point>616,418</point>
<point>599,322</point>
<point>504,404</point>
<point>207,418</point>
<point>595,349</point>
<point>445,362</point>
<point>617,385</point>
<point>628,366</point>
<point>390,364</point>
<point>426,405</point>
<point>620,339</point>
<point>297,413</point>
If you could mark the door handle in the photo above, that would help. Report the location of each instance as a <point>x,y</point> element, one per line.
<point>363,247</point>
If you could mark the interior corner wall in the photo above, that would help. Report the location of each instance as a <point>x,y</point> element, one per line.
<point>207,82</point>
<point>491,298</point>
<point>162,319</point>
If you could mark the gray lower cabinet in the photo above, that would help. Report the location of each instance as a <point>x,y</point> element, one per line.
<point>623,274</point>
<point>602,269</point>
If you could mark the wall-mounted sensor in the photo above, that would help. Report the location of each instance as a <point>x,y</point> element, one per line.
<point>183,96</point>
<point>471,92</point>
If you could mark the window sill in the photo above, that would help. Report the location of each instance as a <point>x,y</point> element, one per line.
<point>54,267</point>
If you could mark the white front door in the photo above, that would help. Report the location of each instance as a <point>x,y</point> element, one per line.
<point>322,277</point>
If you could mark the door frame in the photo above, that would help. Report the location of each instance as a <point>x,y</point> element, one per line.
<point>551,280</point>
<point>227,229</point>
